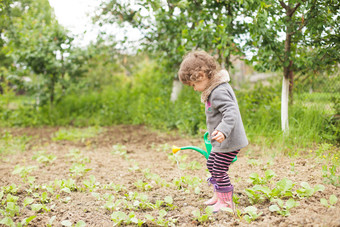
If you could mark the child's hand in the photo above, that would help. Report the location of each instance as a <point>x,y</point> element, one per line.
<point>218,136</point>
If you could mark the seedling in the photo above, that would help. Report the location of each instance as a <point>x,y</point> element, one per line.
<point>307,191</point>
<point>283,209</point>
<point>253,196</point>
<point>251,214</point>
<point>283,188</point>
<point>120,150</point>
<point>42,157</point>
<point>91,183</point>
<point>121,218</point>
<point>330,175</point>
<point>143,186</point>
<point>161,221</point>
<point>23,171</point>
<point>78,169</point>
<point>203,217</point>
<point>256,179</point>
<point>329,204</point>
<point>77,156</point>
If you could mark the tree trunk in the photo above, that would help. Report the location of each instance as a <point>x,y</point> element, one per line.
<point>284,105</point>
<point>52,89</point>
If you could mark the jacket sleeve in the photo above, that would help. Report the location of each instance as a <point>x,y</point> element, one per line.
<point>223,101</point>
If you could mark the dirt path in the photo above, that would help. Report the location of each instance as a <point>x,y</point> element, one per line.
<point>129,168</point>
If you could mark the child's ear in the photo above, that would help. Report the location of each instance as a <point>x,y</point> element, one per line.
<point>201,75</point>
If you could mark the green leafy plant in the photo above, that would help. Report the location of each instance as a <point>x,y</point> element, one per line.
<point>79,169</point>
<point>23,171</point>
<point>161,221</point>
<point>91,183</point>
<point>283,208</point>
<point>121,218</point>
<point>42,157</point>
<point>205,216</point>
<point>306,190</point>
<point>251,214</point>
<point>256,179</point>
<point>120,150</point>
<point>330,175</point>
<point>330,203</point>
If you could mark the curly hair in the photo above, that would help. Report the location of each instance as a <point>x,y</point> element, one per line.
<point>197,65</point>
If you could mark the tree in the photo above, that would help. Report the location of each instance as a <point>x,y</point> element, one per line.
<point>37,41</point>
<point>296,36</point>
<point>173,27</point>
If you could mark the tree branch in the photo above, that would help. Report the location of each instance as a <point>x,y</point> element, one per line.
<point>284,5</point>
<point>295,8</point>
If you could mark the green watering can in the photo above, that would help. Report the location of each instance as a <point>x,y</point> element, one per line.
<point>201,151</point>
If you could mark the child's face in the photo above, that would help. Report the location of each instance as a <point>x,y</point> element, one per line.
<point>200,85</point>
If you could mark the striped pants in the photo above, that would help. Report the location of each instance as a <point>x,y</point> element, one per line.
<point>218,166</point>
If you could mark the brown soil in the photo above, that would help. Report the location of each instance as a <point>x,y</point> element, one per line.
<point>150,149</point>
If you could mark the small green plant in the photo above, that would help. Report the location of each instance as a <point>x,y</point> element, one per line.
<point>203,217</point>
<point>42,157</point>
<point>251,214</point>
<point>253,196</point>
<point>23,171</point>
<point>91,183</point>
<point>121,218</point>
<point>120,150</point>
<point>77,156</point>
<point>143,186</point>
<point>78,169</point>
<point>330,203</point>
<point>306,190</point>
<point>256,179</point>
<point>330,175</point>
<point>283,208</point>
<point>161,221</point>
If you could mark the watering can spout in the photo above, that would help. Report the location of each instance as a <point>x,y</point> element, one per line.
<point>201,151</point>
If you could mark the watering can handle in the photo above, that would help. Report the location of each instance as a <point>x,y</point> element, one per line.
<point>207,142</point>
<point>208,146</point>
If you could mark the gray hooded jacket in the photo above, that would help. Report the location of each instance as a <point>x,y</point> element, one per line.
<point>223,114</point>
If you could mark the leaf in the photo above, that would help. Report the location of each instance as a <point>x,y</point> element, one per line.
<point>209,210</point>
<point>324,202</point>
<point>168,199</point>
<point>28,220</point>
<point>36,207</point>
<point>196,213</point>
<point>291,203</point>
<point>274,208</point>
<point>162,213</point>
<point>28,201</point>
<point>7,221</point>
<point>305,185</point>
<point>67,190</point>
<point>66,223</point>
<point>319,188</point>
<point>333,199</point>
<point>81,223</point>
<point>149,217</point>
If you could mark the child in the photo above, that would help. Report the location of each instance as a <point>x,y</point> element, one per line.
<point>201,71</point>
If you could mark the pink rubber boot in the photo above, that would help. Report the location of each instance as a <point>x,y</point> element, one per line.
<point>213,200</point>
<point>224,199</point>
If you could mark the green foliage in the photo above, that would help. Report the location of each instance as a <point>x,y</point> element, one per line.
<point>283,208</point>
<point>330,175</point>
<point>74,134</point>
<point>205,216</point>
<point>251,214</point>
<point>329,204</point>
